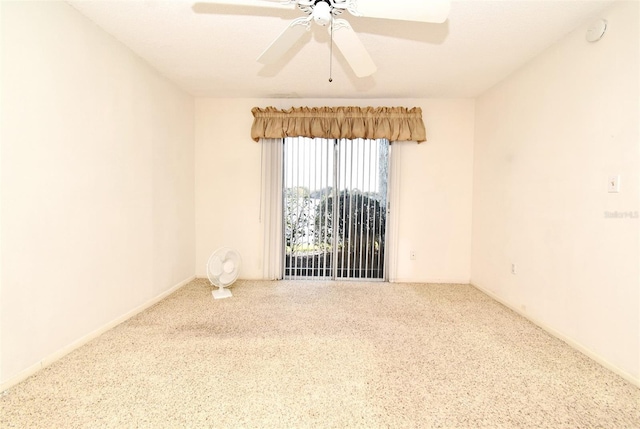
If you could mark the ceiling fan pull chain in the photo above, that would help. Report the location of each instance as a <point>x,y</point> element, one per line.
<point>331,54</point>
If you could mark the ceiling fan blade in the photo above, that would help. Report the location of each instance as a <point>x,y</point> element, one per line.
<point>435,11</point>
<point>284,41</point>
<point>251,3</point>
<point>347,41</point>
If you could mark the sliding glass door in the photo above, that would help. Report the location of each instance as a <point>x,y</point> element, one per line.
<point>335,208</point>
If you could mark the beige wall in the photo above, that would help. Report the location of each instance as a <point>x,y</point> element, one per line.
<point>546,140</point>
<point>97,182</point>
<point>435,200</point>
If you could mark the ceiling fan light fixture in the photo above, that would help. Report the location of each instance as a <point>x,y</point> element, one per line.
<point>322,13</point>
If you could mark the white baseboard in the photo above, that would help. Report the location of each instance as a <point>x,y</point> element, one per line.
<point>570,341</point>
<point>28,372</point>
<point>433,281</point>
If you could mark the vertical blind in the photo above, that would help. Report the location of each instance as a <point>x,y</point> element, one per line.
<point>335,205</point>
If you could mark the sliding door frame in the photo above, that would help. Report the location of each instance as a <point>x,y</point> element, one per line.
<point>335,194</point>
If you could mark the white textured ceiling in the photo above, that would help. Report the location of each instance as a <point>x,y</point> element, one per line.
<point>210,50</point>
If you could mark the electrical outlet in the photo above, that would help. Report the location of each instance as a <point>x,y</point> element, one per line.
<point>412,255</point>
<point>513,269</point>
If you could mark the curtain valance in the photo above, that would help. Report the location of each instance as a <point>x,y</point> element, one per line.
<point>392,123</point>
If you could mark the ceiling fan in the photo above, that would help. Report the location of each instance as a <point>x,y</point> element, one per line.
<point>325,13</point>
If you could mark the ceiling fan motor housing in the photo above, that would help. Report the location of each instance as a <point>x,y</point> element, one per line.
<point>322,13</point>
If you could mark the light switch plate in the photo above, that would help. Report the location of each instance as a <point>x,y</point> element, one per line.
<point>613,184</point>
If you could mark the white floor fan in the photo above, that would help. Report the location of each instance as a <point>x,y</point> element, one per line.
<point>325,12</point>
<point>223,268</point>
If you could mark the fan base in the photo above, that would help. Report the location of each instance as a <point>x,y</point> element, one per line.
<point>221,293</point>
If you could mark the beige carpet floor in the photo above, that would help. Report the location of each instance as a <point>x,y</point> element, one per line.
<point>322,354</point>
